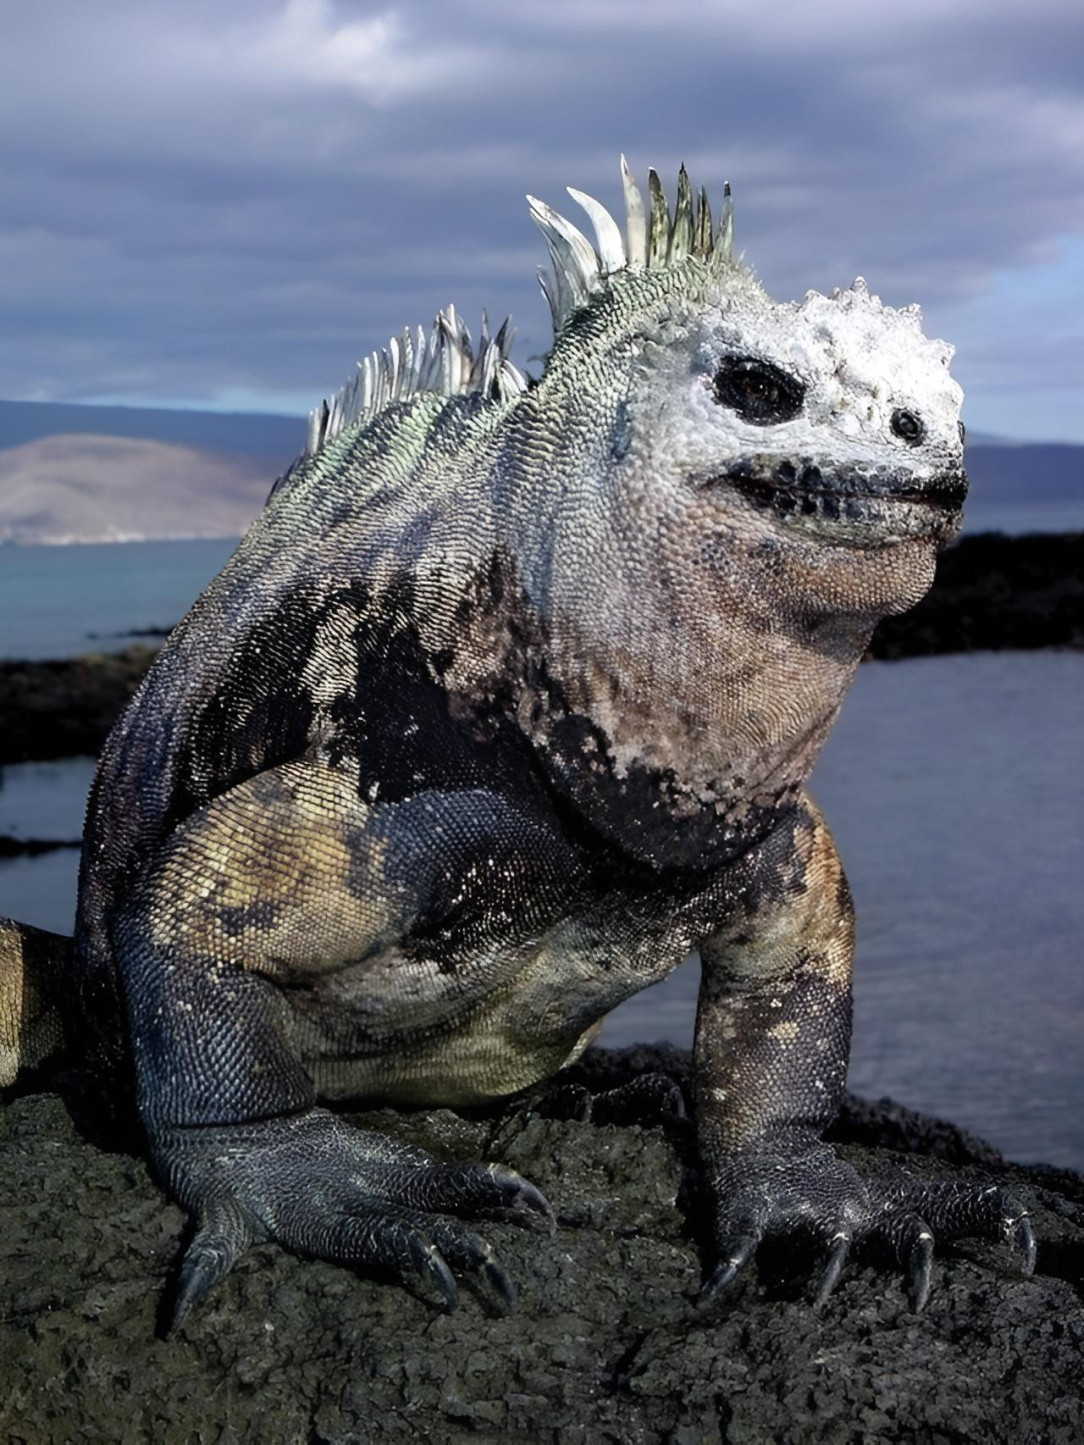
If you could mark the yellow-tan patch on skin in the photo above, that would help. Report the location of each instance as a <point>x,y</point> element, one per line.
<point>795,932</point>
<point>831,920</point>
<point>812,914</point>
<point>455,1070</point>
<point>268,876</point>
<point>512,1016</point>
<point>785,1032</point>
<point>29,1024</point>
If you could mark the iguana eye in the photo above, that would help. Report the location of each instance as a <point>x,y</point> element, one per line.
<point>908,427</point>
<point>758,391</point>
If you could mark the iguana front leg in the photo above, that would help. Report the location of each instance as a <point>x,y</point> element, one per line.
<point>772,1044</point>
<point>289,877</point>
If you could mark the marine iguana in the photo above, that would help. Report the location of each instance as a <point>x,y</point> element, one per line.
<point>504,704</point>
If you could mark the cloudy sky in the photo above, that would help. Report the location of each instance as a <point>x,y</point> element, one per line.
<point>223,205</point>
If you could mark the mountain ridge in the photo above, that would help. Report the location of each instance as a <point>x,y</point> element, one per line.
<point>87,488</point>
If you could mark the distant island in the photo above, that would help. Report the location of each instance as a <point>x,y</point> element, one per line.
<point>73,473</point>
<point>85,488</point>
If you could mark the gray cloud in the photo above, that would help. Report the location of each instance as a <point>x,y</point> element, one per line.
<point>209,202</point>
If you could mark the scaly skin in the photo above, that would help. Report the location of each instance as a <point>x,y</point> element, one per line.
<point>502,705</point>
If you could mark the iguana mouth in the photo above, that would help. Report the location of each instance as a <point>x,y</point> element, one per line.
<point>844,503</point>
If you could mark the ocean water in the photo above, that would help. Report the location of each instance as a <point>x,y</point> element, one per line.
<point>66,601</point>
<point>955,790</point>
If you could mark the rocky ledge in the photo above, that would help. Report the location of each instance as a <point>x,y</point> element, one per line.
<point>63,709</point>
<point>607,1342</point>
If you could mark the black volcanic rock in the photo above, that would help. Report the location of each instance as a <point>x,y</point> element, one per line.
<point>606,1343</point>
<point>994,593</point>
<point>64,709</point>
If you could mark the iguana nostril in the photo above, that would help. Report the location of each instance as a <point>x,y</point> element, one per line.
<point>908,427</point>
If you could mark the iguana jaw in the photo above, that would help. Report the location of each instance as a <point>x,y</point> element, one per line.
<point>852,507</point>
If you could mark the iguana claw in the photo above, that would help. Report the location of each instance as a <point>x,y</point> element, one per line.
<point>834,1268</point>
<point>219,1242</point>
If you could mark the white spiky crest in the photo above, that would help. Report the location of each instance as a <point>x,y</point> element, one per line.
<point>444,363</point>
<point>654,239</point>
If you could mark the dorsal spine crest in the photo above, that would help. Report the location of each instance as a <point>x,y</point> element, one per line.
<point>655,239</point>
<point>446,363</point>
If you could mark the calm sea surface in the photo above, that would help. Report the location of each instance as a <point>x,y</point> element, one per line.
<point>66,601</point>
<point>955,789</point>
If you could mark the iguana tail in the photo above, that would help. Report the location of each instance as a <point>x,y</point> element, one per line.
<point>33,965</point>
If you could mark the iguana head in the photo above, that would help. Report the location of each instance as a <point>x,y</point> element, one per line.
<point>729,493</point>
<point>830,424</point>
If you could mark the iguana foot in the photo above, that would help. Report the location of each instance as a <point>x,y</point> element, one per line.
<point>322,1188</point>
<point>819,1196</point>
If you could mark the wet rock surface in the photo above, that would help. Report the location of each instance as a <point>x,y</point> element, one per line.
<point>606,1343</point>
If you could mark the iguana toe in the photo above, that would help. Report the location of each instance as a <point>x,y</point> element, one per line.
<point>912,1214</point>
<point>647,1099</point>
<point>516,1200</point>
<point>220,1239</point>
<point>841,1248</point>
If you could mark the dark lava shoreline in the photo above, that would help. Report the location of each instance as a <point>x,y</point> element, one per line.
<point>994,593</point>
<point>65,709</point>
<point>991,592</point>
<point>606,1344</point>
